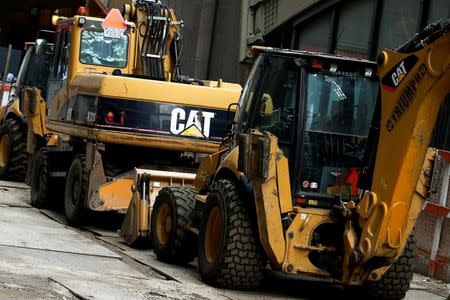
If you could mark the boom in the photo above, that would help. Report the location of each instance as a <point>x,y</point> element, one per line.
<point>414,83</point>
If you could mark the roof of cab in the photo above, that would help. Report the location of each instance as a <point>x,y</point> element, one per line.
<point>76,17</point>
<point>258,49</point>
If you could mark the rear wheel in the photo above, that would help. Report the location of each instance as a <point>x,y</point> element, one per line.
<point>76,192</point>
<point>229,253</point>
<point>172,211</point>
<point>13,156</point>
<point>395,282</point>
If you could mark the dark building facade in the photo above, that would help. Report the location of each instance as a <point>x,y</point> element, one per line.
<point>348,27</point>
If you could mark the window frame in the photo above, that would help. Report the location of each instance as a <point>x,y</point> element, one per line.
<point>297,126</point>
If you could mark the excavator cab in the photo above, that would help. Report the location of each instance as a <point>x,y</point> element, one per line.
<point>320,109</point>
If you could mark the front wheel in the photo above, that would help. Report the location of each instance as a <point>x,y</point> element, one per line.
<point>172,211</point>
<point>76,192</point>
<point>229,252</point>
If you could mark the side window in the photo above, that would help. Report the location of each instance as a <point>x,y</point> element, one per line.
<point>275,109</point>
<point>61,58</point>
<point>39,69</point>
<point>56,55</point>
<point>64,58</point>
<point>248,94</point>
<point>60,62</point>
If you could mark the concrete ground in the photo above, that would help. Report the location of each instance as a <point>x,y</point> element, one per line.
<point>43,258</point>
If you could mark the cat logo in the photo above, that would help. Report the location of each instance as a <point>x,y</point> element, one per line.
<point>399,74</point>
<point>395,76</point>
<point>197,124</point>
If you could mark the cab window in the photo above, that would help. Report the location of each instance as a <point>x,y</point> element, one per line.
<point>96,49</point>
<point>248,93</point>
<point>60,65</point>
<point>62,51</point>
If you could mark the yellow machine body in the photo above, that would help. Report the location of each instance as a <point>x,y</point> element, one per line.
<point>137,89</point>
<point>386,213</point>
<point>147,82</point>
<point>98,82</point>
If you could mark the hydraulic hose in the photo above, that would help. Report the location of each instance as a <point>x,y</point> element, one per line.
<point>155,31</point>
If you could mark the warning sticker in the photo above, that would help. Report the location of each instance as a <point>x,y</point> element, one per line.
<point>113,33</point>
<point>114,25</point>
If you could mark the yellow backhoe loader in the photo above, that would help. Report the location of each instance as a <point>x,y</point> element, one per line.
<point>23,117</point>
<point>307,182</point>
<point>116,100</point>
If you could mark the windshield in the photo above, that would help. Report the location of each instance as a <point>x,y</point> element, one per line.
<point>340,104</point>
<point>96,49</point>
<point>339,109</point>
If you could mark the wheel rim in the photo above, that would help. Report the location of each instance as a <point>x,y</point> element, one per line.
<point>213,235</point>
<point>4,150</point>
<point>164,223</point>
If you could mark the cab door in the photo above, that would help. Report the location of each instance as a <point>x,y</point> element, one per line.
<point>60,65</point>
<point>270,102</point>
<point>275,105</point>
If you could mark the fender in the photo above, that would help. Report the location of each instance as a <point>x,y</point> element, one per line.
<point>13,111</point>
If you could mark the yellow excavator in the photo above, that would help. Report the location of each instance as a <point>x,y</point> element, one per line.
<point>115,99</point>
<point>325,172</point>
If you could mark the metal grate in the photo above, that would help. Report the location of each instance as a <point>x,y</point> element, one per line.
<point>270,14</point>
<point>444,245</point>
<point>425,226</point>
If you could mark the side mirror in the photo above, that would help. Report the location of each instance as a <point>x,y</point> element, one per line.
<point>39,46</point>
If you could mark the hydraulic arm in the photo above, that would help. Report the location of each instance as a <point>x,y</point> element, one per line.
<point>414,83</point>
<point>159,38</point>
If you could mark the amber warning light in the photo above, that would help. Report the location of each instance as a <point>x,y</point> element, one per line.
<point>114,24</point>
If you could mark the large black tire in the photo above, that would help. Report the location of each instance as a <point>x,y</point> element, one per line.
<point>13,155</point>
<point>46,192</point>
<point>76,192</point>
<point>229,252</point>
<point>172,211</point>
<point>39,180</point>
<point>395,282</point>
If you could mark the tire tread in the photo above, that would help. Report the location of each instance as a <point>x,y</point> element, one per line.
<point>78,215</point>
<point>16,168</point>
<point>243,262</point>
<point>182,248</point>
<point>41,199</point>
<point>395,282</point>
